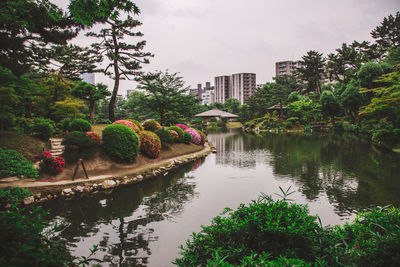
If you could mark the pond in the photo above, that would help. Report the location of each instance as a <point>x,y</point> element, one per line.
<point>144,224</point>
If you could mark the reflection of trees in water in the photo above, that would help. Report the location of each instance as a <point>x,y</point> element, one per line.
<point>328,164</point>
<point>128,211</point>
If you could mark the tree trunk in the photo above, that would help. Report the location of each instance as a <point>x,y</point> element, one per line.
<point>91,111</point>
<point>113,99</point>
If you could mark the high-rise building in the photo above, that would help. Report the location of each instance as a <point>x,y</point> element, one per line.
<point>221,88</point>
<point>239,86</point>
<point>286,67</point>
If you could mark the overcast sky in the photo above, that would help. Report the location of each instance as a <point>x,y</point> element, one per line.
<point>202,39</point>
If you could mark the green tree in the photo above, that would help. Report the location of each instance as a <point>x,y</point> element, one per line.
<point>136,108</point>
<point>329,105</point>
<point>27,28</point>
<point>261,100</point>
<point>281,89</point>
<point>232,105</point>
<point>166,92</point>
<point>351,99</point>
<point>370,71</point>
<point>125,59</point>
<point>393,58</point>
<point>311,71</point>
<point>388,33</point>
<point>90,93</point>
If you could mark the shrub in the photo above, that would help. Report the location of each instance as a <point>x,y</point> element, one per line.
<point>137,123</point>
<point>196,138</point>
<point>174,135</point>
<point>179,131</point>
<point>187,138</point>
<point>24,240</point>
<point>203,137</point>
<point>121,143</point>
<point>50,164</point>
<point>80,125</point>
<point>151,125</point>
<point>81,145</point>
<point>165,136</point>
<point>14,164</point>
<point>277,228</point>
<point>42,128</point>
<point>64,124</point>
<point>130,125</point>
<point>383,133</point>
<point>182,126</point>
<point>14,194</point>
<point>150,144</point>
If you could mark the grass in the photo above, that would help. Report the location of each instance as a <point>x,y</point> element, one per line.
<point>27,145</point>
<point>233,124</point>
<point>98,128</point>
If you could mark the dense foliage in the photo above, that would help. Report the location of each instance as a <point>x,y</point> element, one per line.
<point>265,232</point>
<point>81,145</point>
<point>174,135</point>
<point>137,123</point>
<point>14,164</point>
<point>151,125</point>
<point>42,128</point>
<point>121,143</point>
<point>165,136</point>
<point>150,144</point>
<point>80,125</point>
<point>24,240</point>
<point>14,194</point>
<point>187,138</point>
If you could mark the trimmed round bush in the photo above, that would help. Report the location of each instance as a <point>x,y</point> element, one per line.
<point>179,131</point>
<point>80,125</point>
<point>138,124</point>
<point>196,138</point>
<point>174,135</point>
<point>165,136</point>
<point>130,125</point>
<point>187,138</point>
<point>151,125</point>
<point>80,145</point>
<point>182,126</point>
<point>42,128</point>
<point>14,164</point>
<point>121,143</point>
<point>150,144</point>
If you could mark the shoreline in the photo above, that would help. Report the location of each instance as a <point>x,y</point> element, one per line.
<point>67,189</point>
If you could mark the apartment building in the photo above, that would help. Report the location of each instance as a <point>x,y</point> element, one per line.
<point>239,86</point>
<point>286,67</point>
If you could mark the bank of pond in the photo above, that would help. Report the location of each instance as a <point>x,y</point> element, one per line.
<point>315,199</point>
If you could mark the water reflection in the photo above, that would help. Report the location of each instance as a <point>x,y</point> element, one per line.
<point>352,174</point>
<point>121,221</point>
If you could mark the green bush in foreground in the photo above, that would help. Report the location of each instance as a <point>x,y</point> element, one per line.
<point>42,128</point>
<point>121,143</point>
<point>14,164</point>
<point>14,194</point>
<point>278,233</point>
<point>79,145</point>
<point>165,136</point>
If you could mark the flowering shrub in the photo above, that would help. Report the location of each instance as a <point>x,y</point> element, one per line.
<point>130,125</point>
<point>94,136</point>
<point>150,144</point>
<point>151,125</point>
<point>50,164</point>
<point>121,143</point>
<point>165,136</point>
<point>179,131</point>
<point>182,126</point>
<point>203,137</point>
<point>196,138</point>
<point>137,124</point>
<point>175,135</point>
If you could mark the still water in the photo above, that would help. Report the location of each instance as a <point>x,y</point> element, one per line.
<point>144,224</point>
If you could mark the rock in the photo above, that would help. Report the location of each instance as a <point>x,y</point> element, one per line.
<point>95,186</point>
<point>86,189</point>
<point>125,177</point>
<point>66,191</point>
<point>38,195</point>
<point>108,184</point>
<point>49,196</point>
<point>139,178</point>
<point>79,188</point>
<point>28,200</point>
<point>8,206</point>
